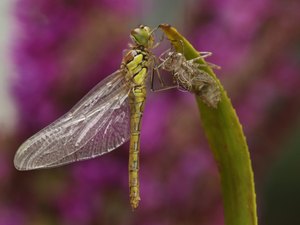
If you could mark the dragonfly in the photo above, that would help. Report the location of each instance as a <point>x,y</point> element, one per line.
<point>188,76</point>
<point>106,117</point>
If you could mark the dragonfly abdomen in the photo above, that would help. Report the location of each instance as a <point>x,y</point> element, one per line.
<point>137,99</point>
<point>136,62</point>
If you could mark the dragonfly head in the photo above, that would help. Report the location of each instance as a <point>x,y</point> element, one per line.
<point>142,36</point>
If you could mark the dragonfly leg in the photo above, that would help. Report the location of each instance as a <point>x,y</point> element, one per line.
<point>201,56</point>
<point>206,64</point>
<point>152,80</point>
<point>156,69</point>
<point>160,39</point>
<point>205,54</point>
<point>213,66</point>
<point>161,81</point>
<point>162,56</point>
<point>163,86</point>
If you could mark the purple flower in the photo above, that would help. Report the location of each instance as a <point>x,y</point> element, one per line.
<point>76,207</point>
<point>227,52</point>
<point>124,7</point>
<point>156,114</point>
<point>152,190</point>
<point>194,166</point>
<point>10,215</point>
<point>101,172</point>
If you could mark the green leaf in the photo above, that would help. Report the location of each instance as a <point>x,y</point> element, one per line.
<point>228,144</point>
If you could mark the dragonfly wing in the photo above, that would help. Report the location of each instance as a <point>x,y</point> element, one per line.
<point>98,123</point>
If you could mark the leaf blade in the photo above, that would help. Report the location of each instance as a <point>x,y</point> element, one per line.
<point>228,144</point>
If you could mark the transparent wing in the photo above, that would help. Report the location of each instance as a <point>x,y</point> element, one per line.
<point>97,124</point>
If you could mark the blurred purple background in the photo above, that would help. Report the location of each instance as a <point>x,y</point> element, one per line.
<point>61,49</point>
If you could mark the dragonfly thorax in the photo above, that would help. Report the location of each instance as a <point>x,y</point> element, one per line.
<point>136,63</point>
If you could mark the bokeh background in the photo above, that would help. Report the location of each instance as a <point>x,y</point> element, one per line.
<point>54,51</point>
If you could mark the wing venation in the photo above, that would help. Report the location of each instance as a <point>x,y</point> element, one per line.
<point>97,124</point>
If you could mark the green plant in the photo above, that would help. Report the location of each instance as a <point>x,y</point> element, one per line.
<point>228,144</point>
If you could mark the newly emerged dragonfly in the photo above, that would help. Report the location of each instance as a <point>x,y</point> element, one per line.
<point>188,75</point>
<point>109,115</point>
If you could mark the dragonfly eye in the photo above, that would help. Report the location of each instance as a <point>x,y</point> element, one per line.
<point>142,36</point>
